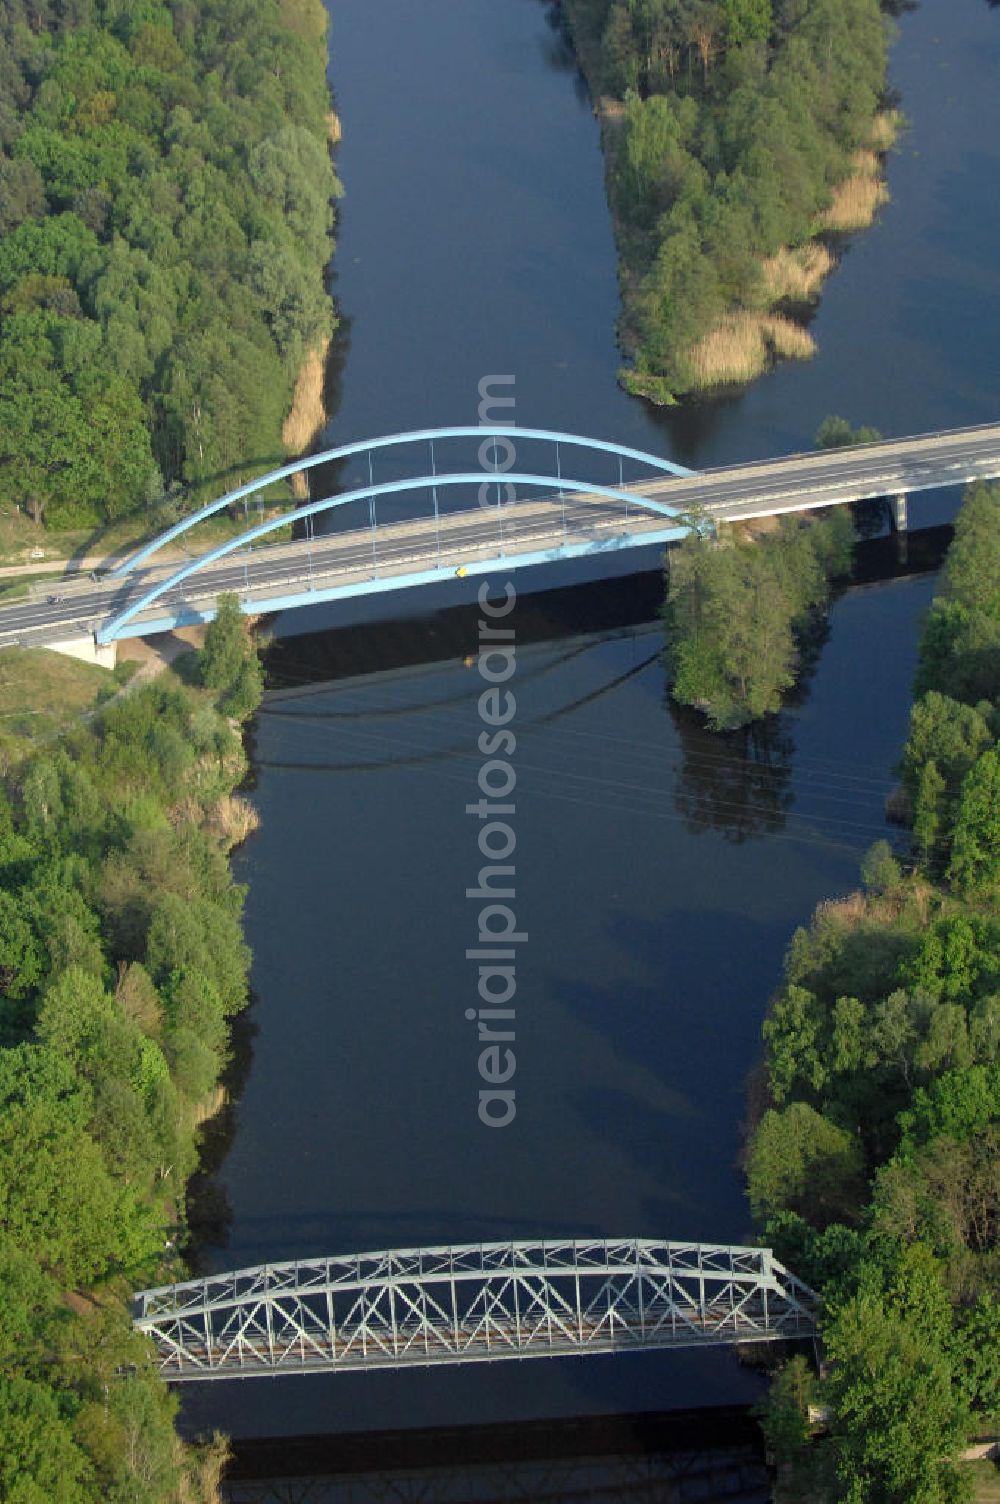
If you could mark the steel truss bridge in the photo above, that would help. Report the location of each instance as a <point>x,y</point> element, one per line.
<point>479,1302</point>
<point>529,503</point>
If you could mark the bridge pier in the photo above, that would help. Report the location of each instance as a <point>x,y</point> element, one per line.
<point>900,527</point>
<point>899,521</point>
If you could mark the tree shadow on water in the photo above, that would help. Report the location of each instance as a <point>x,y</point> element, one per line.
<point>734,782</point>
<point>210,1216</point>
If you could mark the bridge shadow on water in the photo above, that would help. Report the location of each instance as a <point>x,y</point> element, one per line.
<point>678,1456</point>
<point>737,784</point>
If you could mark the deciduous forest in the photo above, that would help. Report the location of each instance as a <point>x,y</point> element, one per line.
<point>122,961</point>
<point>165,222</point>
<point>875,1167</point>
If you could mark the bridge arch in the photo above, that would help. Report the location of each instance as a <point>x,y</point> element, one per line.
<point>109,631</point>
<point>391,441</point>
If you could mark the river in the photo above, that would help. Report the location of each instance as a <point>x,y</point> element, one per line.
<point>660,871</point>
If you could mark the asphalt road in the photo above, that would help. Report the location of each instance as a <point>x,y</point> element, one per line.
<point>832,476</point>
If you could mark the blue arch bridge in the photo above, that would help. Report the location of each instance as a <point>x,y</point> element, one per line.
<point>478,1302</point>
<point>537,497</point>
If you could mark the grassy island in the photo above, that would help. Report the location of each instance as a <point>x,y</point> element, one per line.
<point>742,137</point>
<point>740,612</point>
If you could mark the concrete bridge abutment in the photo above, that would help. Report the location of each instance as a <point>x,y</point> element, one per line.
<point>87,649</point>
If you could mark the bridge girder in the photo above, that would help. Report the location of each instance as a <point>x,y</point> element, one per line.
<point>480,1302</point>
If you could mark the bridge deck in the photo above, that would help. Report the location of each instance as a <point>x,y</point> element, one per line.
<point>530,531</point>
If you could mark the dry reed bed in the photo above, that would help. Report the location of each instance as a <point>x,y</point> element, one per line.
<point>233,818</point>
<point>797,275</point>
<point>744,345</point>
<point>201,1467</point>
<point>858,198</point>
<point>885,128</point>
<point>307,415</point>
<point>915,899</point>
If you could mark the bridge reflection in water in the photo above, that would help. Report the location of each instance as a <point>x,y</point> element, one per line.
<point>677,1457</point>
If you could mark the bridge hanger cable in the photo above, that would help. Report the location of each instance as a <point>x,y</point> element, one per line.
<point>671,519</point>
<point>389,441</point>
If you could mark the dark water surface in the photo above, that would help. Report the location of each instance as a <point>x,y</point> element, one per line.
<point>660,871</point>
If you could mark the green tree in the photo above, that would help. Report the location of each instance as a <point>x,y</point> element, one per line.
<point>837,433</point>
<point>735,613</point>
<point>22,192</point>
<point>747,21</point>
<point>800,1161</point>
<point>144,1412</point>
<point>977,1355</point>
<point>950,733</point>
<point>930,815</point>
<point>619,62</point>
<point>955,1105</point>
<point>880,872</point>
<point>956,959</point>
<point>960,643</point>
<point>793,1032</point>
<point>21,956</point>
<point>56,1196</point>
<point>29,1311</point>
<point>73,440</point>
<point>784,1416</point>
<point>228,663</point>
<point>200,938</point>
<point>975,851</point>
<point>972,571</point>
<point>40,1462</point>
<point>898,1418</point>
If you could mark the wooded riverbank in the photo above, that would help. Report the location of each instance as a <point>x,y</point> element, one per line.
<point>875,1170</point>
<point>122,961</point>
<point>166,196</point>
